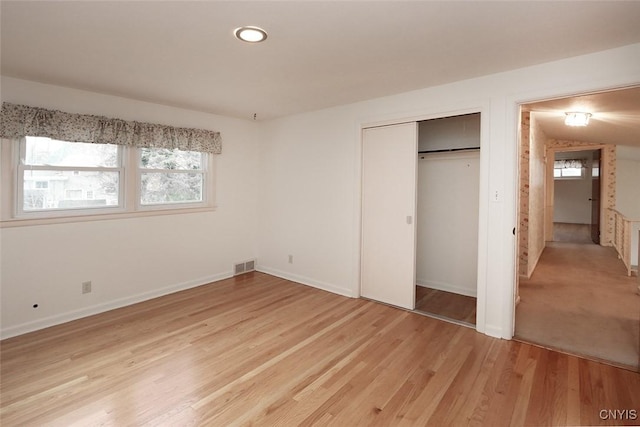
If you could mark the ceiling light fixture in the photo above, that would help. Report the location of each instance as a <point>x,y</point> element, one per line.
<point>576,119</point>
<point>250,34</point>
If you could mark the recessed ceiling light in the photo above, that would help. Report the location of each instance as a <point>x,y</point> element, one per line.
<point>250,34</point>
<point>576,118</point>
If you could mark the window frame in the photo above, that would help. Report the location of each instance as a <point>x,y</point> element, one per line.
<point>22,167</point>
<point>12,213</point>
<point>582,174</point>
<point>139,170</point>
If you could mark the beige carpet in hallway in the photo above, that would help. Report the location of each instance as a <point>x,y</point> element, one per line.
<point>580,300</point>
<point>575,233</point>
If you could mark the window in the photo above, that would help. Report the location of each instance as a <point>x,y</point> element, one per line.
<point>53,175</point>
<point>60,178</point>
<point>569,169</point>
<point>568,173</point>
<point>171,176</point>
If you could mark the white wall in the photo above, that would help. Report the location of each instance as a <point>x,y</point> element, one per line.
<point>449,133</point>
<point>628,191</point>
<point>627,181</point>
<point>310,177</point>
<point>305,172</point>
<point>571,200</point>
<point>307,204</point>
<point>132,259</point>
<point>572,197</point>
<point>447,222</point>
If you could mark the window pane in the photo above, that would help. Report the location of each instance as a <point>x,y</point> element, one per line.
<point>164,188</point>
<point>55,189</point>
<point>572,172</point>
<point>162,158</point>
<point>557,173</point>
<point>50,152</point>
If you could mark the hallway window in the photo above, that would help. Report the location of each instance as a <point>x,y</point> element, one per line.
<point>572,168</point>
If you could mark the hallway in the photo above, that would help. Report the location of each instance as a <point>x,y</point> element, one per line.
<point>579,300</point>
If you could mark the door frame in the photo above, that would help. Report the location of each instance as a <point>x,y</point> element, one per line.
<point>606,196</point>
<point>483,208</point>
<point>514,105</point>
<point>515,113</point>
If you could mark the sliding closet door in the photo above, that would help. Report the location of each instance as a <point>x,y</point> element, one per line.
<point>389,156</point>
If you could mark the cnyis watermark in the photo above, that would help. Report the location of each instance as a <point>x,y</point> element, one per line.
<point>618,414</point>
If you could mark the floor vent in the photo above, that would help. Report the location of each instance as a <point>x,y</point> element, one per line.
<point>239,269</point>
<point>244,267</point>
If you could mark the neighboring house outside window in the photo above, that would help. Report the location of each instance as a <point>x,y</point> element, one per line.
<point>61,178</point>
<point>69,169</point>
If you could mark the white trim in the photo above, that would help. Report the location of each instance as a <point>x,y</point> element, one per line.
<point>24,222</point>
<point>421,116</point>
<point>204,171</point>
<point>535,264</point>
<point>8,189</point>
<point>483,217</point>
<point>447,287</point>
<point>356,220</point>
<point>128,207</point>
<point>484,108</point>
<point>22,167</point>
<point>107,306</point>
<point>513,104</point>
<point>494,331</point>
<point>308,281</point>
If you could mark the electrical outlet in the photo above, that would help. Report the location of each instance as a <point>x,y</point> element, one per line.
<point>290,259</point>
<point>86,287</point>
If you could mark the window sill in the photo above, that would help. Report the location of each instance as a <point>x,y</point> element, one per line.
<point>26,222</point>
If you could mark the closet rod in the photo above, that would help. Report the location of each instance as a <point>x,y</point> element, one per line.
<point>448,150</point>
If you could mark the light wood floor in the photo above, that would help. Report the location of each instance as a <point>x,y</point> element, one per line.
<point>448,305</point>
<point>261,350</point>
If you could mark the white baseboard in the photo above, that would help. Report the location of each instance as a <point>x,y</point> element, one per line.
<point>532,266</point>
<point>447,287</point>
<point>495,332</point>
<point>307,281</point>
<point>58,319</point>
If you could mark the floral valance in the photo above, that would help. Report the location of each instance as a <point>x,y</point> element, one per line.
<point>17,121</point>
<point>570,164</point>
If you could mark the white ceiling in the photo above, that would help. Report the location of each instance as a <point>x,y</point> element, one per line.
<point>319,53</point>
<point>615,117</point>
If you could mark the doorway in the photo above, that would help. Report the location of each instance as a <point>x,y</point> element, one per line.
<point>576,196</point>
<point>573,293</point>
<point>420,229</point>
<point>447,218</point>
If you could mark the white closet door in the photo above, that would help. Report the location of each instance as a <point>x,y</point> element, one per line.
<point>389,156</point>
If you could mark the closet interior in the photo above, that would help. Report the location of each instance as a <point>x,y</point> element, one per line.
<point>447,205</point>
<point>420,216</point>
